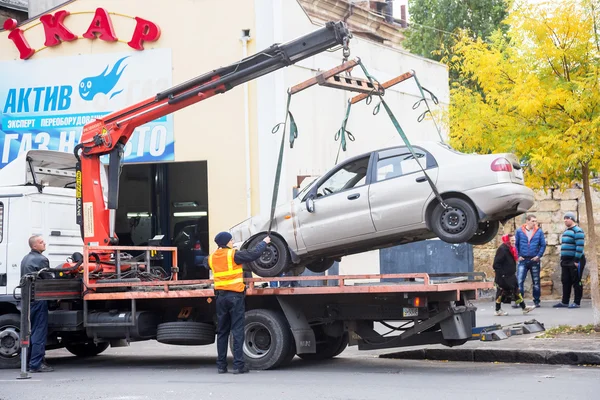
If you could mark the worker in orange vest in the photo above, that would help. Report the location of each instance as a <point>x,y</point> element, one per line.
<point>230,291</point>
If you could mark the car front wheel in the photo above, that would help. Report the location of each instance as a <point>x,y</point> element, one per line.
<point>274,261</point>
<point>456,223</point>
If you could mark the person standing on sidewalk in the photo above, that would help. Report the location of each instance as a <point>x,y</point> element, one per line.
<point>531,245</point>
<point>572,262</point>
<point>505,267</point>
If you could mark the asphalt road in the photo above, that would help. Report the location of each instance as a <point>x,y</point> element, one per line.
<point>151,370</point>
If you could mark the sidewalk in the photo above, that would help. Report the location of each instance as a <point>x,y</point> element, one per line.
<point>570,350</point>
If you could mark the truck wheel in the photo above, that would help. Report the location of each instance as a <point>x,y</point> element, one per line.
<point>185,333</point>
<point>455,224</point>
<point>321,265</point>
<point>89,349</point>
<point>327,347</point>
<point>274,260</point>
<point>10,350</point>
<point>486,232</point>
<point>267,339</point>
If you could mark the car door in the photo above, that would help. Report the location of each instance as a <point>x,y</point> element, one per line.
<point>399,189</point>
<point>340,206</point>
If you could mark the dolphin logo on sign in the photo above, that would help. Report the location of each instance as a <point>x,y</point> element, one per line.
<point>103,83</point>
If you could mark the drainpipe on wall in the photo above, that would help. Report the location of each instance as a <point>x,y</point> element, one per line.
<point>245,39</point>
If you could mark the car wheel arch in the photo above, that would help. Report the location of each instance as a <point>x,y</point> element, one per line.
<point>449,195</point>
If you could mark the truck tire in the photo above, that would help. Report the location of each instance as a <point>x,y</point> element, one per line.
<point>10,349</point>
<point>455,224</point>
<point>274,261</point>
<point>267,339</point>
<point>186,333</point>
<point>327,347</point>
<point>89,349</point>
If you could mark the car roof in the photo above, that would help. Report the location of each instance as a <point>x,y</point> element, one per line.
<point>427,145</point>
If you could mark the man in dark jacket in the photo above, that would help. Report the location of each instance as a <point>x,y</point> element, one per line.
<point>531,244</point>
<point>226,264</point>
<point>505,267</point>
<point>33,263</point>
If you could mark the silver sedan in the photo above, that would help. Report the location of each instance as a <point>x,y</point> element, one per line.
<point>383,199</point>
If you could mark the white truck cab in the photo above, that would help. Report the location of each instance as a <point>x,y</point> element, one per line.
<point>37,196</point>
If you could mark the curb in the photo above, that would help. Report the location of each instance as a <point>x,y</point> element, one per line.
<point>564,357</point>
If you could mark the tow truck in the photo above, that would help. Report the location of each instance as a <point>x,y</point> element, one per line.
<point>105,297</point>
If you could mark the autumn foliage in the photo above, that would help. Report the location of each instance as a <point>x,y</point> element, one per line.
<point>534,91</point>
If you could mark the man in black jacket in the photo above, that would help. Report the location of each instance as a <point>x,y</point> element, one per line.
<point>505,267</point>
<point>33,263</point>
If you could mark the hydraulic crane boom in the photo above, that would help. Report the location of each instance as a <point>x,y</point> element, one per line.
<point>110,134</point>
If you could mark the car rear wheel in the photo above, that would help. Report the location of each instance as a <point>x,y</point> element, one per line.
<point>274,260</point>
<point>455,224</point>
<point>486,232</point>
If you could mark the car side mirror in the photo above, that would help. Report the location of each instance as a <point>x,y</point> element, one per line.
<point>310,204</point>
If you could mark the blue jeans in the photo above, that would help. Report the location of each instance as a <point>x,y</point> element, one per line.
<point>230,318</point>
<point>526,266</point>
<point>39,332</point>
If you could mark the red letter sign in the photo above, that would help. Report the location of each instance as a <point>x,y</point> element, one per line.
<point>101,25</point>
<point>144,31</point>
<point>25,51</point>
<point>54,28</point>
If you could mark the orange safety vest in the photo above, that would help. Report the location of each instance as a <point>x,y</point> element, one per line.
<point>226,273</point>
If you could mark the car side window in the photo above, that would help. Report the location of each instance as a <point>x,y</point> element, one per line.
<point>350,175</point>
<point>399,164</point>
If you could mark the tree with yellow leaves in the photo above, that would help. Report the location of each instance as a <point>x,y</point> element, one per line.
<point>534,91</point>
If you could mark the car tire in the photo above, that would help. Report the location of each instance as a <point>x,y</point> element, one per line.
<point>321,266</point>
<point>274,261</point>
<point>486,232</point>
<point>89,349</point>
<point>455,224</point>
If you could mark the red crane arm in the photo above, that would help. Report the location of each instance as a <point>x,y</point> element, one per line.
<point>110,134</point>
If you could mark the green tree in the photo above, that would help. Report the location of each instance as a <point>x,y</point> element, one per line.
<point>538,96</point>
<point>434,24</point>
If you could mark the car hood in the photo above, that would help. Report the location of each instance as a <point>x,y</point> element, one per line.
<point>258,223</point>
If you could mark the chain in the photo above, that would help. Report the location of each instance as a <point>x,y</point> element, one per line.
<point>346,49</point>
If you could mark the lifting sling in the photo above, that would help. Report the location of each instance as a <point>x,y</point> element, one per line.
<point>368,87</point>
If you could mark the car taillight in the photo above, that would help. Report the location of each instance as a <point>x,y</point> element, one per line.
<point>501,164</point>
<point>197,246</point>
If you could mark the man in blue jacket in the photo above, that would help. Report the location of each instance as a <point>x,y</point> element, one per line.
<point>531,244</point>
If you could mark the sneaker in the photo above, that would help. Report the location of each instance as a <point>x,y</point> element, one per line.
<point>528,309</point>
<point>500,313</point>
<point>222,370</point>
<point>244,370</point>
<point>537,305</point>
<point>560,305</point>
<point>574,305</point>
<point>42,368</point>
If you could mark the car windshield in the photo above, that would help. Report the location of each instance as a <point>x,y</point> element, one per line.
<point>304,190</point>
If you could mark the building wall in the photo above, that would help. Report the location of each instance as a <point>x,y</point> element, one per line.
<point>319,111</point>
<point>202,36</point>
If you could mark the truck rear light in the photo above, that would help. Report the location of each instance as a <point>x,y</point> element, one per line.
<point>501,164</point>
<point>419,301</point>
